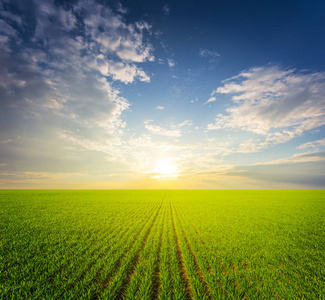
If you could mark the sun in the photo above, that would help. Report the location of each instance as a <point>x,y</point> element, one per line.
<point>165,168</point>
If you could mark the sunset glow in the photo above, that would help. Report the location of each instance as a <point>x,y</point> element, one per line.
<point>143,94</point>
<point>166,169</point>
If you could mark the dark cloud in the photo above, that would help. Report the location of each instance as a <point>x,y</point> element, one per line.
<point>305,170</point>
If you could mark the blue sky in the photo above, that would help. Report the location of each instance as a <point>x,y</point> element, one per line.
<point>158,94</point>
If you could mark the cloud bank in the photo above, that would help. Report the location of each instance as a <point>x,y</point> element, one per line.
<point>275,103</point>
<point>60,65</point>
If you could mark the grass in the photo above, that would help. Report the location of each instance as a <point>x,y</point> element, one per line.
<point>162,244</point>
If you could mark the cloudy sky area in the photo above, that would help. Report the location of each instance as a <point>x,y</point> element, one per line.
<point>156,94</point>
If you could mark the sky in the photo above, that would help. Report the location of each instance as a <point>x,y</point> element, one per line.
<point>134,94</point>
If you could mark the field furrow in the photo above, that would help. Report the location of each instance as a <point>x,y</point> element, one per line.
<point>160,244</point>
<point>167,254</point>
<point>221,284</point>
<point>203,285</point>
<point>97,265</point>
<point>201,290</point>
<point>145,279</point>
<point>119,280</point>
<point>181,262</point>
<point>156,280</point>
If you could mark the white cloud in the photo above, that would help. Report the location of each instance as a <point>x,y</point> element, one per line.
<point>279,104</point>
<point>314,144</point>
<point>155,129</point>
<point>171,63</point>
<point>61,78</point>
<point>211,99</point>
<point>248,146</point>
<point>184,123</point>
<point>87,144</point>
<point>173,131</point>
<point>141,25</point>
<point>115,36</point>
<point>124,72</point>
<point>298,158</point>
<point>208,54</point>
<point>211,56</point>
<point>160,107</point>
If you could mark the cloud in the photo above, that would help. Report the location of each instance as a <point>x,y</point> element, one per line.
<point>6,141</point>
<point>113,36</point>
<point>174,131</point>
<point>212,56</point>
<point>248,146</point>
<point>166,10</point>
<point>47,180</point>
<point>155,129</point>
<point>124,72</point>
<point>184,123</point>
<point>275,103</point>
<point>57,81</point>
<point>298,158</point>
<point>304,170</point>
<point>208,54</point>
<point>121,9</point>
<point>160,107</point>
<point>313,144</point>
<point>211,99</point>
<point>171,63</point>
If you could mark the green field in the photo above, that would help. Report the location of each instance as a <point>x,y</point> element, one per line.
<point>159,244</point>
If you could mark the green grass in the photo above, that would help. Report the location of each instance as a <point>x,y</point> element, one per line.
<point>162,244</point>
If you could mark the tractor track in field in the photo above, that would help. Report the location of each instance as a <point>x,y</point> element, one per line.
<point>181,261</point>
<point>117,263</point>
<point>156,275</point>
<point>208,247</point>
<point>170,240</point>
<point>98,256</point>
<point>116,233</point>
<point>135,260</point>
<point>196,263</point>
<point>89,245</point>
<point>222,267</point>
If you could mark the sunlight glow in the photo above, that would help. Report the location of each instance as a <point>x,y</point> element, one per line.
<point>165,168</point>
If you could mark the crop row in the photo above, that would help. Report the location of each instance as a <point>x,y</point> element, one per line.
<point>160,245</point>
